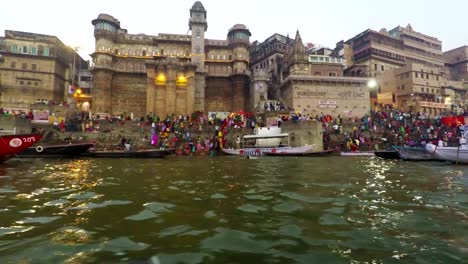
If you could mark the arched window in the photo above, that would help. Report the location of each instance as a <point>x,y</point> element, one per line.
<point>130,52</point>
<point>197,50</point>
<point>198,34</point>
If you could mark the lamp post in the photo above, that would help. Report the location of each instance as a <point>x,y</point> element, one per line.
<point>72,101</point>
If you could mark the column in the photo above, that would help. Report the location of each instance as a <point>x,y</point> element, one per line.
<point>171,90</point>
<point>150,91</point>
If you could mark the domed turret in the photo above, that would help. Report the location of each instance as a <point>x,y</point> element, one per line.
<point>105,26</point>
<point>239,34</point>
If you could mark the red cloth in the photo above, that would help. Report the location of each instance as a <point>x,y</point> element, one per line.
<point>453,121</point>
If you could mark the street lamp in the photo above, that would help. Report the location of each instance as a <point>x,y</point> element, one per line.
<point>75,50</point>
<point>372,84</point>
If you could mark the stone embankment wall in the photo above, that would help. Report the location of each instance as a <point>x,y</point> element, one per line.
<point>110,134</point>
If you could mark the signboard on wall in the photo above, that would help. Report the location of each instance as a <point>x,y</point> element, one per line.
<point>326,103</point>
<point>41,116</point>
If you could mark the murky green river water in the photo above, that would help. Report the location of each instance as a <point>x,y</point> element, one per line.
<point>233,210</point>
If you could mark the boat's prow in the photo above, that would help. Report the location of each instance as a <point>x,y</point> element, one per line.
<point>12,145</point>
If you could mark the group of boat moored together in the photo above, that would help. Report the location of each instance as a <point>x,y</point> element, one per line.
<point>28,146</point>
<point>263,143</point>
<point>429,152</point>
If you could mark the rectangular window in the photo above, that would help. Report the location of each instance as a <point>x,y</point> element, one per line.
<point>407,75</point>
<point>46,51</point>
<point>24,49</point>
<point>33,51</point>
<point>427,75</point>
<point>375,66</point>
<point>33,67</point>
<point>332,74</point>
<point>402,86</point>
<point>416,73</point>
<point>14,49</point>
<point>24,66</point>
<point>382,67</point>
<point>13,65</point>
<point>422,90</point>
<point>437,77</point>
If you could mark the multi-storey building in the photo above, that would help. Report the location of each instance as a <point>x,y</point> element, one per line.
<point>383,50</point>
<point>35,68</point>
<point>371,53</point>
<point>309,81</point>
<point>314,85</point>
<point>266,63</point>
<point>169,73</point>
<point>457,62</point>
<point>416,87</point>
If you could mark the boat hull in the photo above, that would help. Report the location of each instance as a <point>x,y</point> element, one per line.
<point>387,154</point>
<point>261,150</point>
<point>414,154</point>
<point>56,151</point>
<point>12,145</point>
<point>303,154</point>
<point>453,154</point>
<point>146,153</point>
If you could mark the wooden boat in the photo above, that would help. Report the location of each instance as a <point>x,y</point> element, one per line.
<point>414,153</point>
<point>357,153</point>
<point>56,151</point>
<point>387,154</point>
<point>454,154</point>
<point>266,140</point>
<point>12,145</point>
<point>144,153</point>
<point>300,154</point>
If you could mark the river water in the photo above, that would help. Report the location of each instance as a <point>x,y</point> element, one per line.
<point>233,210</point>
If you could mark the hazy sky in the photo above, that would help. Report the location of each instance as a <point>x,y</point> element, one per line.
<point>319,22</point>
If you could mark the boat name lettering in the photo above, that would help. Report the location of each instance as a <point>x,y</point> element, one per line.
<point>252,153</point>
<point>29,139</point>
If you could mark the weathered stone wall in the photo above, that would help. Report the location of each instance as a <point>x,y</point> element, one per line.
<point>129,94</point>
<point>10,125</point>
<point>218,94</point>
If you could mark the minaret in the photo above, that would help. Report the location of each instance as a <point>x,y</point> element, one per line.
<point>105,32</point>
<point>198,25</point>
<point>239,41</point>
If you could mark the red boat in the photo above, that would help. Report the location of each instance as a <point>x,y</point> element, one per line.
<point>12,145</point>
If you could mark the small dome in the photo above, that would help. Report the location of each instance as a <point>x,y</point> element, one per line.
<point>239,26</point>
<point>107,18</point>
<point>198,6</point>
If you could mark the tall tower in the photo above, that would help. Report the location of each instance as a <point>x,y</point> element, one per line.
<point>198,25</point>
<point>105,32</point>
<point>239,41</point>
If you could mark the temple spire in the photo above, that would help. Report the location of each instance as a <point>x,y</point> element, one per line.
<point>298,52</point>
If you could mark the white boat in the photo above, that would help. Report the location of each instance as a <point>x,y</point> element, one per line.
<point>266,140</point>
<point>454,154</point>
<point>260,151</point>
